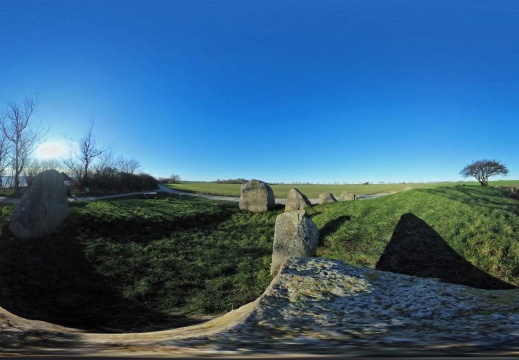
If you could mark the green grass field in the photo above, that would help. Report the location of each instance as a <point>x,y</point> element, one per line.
<point>138,264</point>
<point>480,224</point>
<point>148,264</point>
<point>313,190</point>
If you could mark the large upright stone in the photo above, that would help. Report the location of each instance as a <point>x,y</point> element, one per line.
<point>42,208</point>
<point>296,200</point>
<point>346,196</point>
<point>326,198</point>
<point>295,235</point>
<point>256,196</point>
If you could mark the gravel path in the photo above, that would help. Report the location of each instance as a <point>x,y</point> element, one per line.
<point>281,201</point>
<point>166,190</point>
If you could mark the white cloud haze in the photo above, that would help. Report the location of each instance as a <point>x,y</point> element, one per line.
<point>55,149</point>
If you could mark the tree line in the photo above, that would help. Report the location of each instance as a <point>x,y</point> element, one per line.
<point>231,181</point>
<point>91,166</point>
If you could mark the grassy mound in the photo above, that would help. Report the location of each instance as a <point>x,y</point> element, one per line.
<point>479,224</point>
<point>148,264</point>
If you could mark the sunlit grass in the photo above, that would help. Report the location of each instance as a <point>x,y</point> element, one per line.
<point>479,223</point>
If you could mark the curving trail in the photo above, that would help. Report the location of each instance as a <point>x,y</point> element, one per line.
<point>166,190</point>
<point>281,201</point>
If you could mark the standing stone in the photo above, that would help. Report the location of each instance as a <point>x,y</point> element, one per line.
<point>296,200</point>
<point>326,198</point>
<point>42,208</point>
<point>256,196</point>
<point>295,235</point>
<point>346,196</point>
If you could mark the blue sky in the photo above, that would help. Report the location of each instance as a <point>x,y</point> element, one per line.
<point>318,91</point>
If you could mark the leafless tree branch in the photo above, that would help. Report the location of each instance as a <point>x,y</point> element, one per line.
<point>23,137</point>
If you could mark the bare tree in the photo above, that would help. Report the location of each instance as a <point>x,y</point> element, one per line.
<point>75,168</point>
<point>128,166</point>
<point>22,136</point>
<point>4,157</point>
<point>104,161</point>
<point>88,151</point>
<point>174,178</point>
<point>84,155</point>
<point>55,164</point>
<point>483,169</point>
<point>34,167</point>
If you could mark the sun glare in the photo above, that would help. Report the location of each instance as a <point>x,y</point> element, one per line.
<point>52,150</point>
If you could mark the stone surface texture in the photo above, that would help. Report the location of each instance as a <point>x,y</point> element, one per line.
<point>42,208</point>
<point>346,196</point>
<point>326,198</point>
<point>313,306</point>
<point>257,196</point>
<point>295,235</point>
<point>296,200</point>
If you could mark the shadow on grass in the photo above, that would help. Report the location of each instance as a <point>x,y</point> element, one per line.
<point>330,228</point>
<point>333,225</point>
<point>417,249</point>
<point>50,279</point>
<point>315,214</point>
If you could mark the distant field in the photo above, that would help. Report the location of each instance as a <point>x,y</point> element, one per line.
<point>313,190</point>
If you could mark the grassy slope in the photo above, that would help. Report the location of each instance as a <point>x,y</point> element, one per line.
<point>481,224</point>
<point>313,190</point>
<point>130,264</point>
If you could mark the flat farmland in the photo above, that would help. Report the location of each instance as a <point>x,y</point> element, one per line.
<point>313,190</point>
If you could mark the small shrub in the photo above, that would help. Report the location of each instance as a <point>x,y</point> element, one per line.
<point>109,180</point>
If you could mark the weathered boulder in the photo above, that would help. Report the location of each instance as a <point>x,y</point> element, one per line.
<point>296,200</point>
<point>295,235</point>
<point>42,208</point>
<point>313,306</point>
<point>326,198</point>
<point>257,196</point>
<point>346,196</point>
